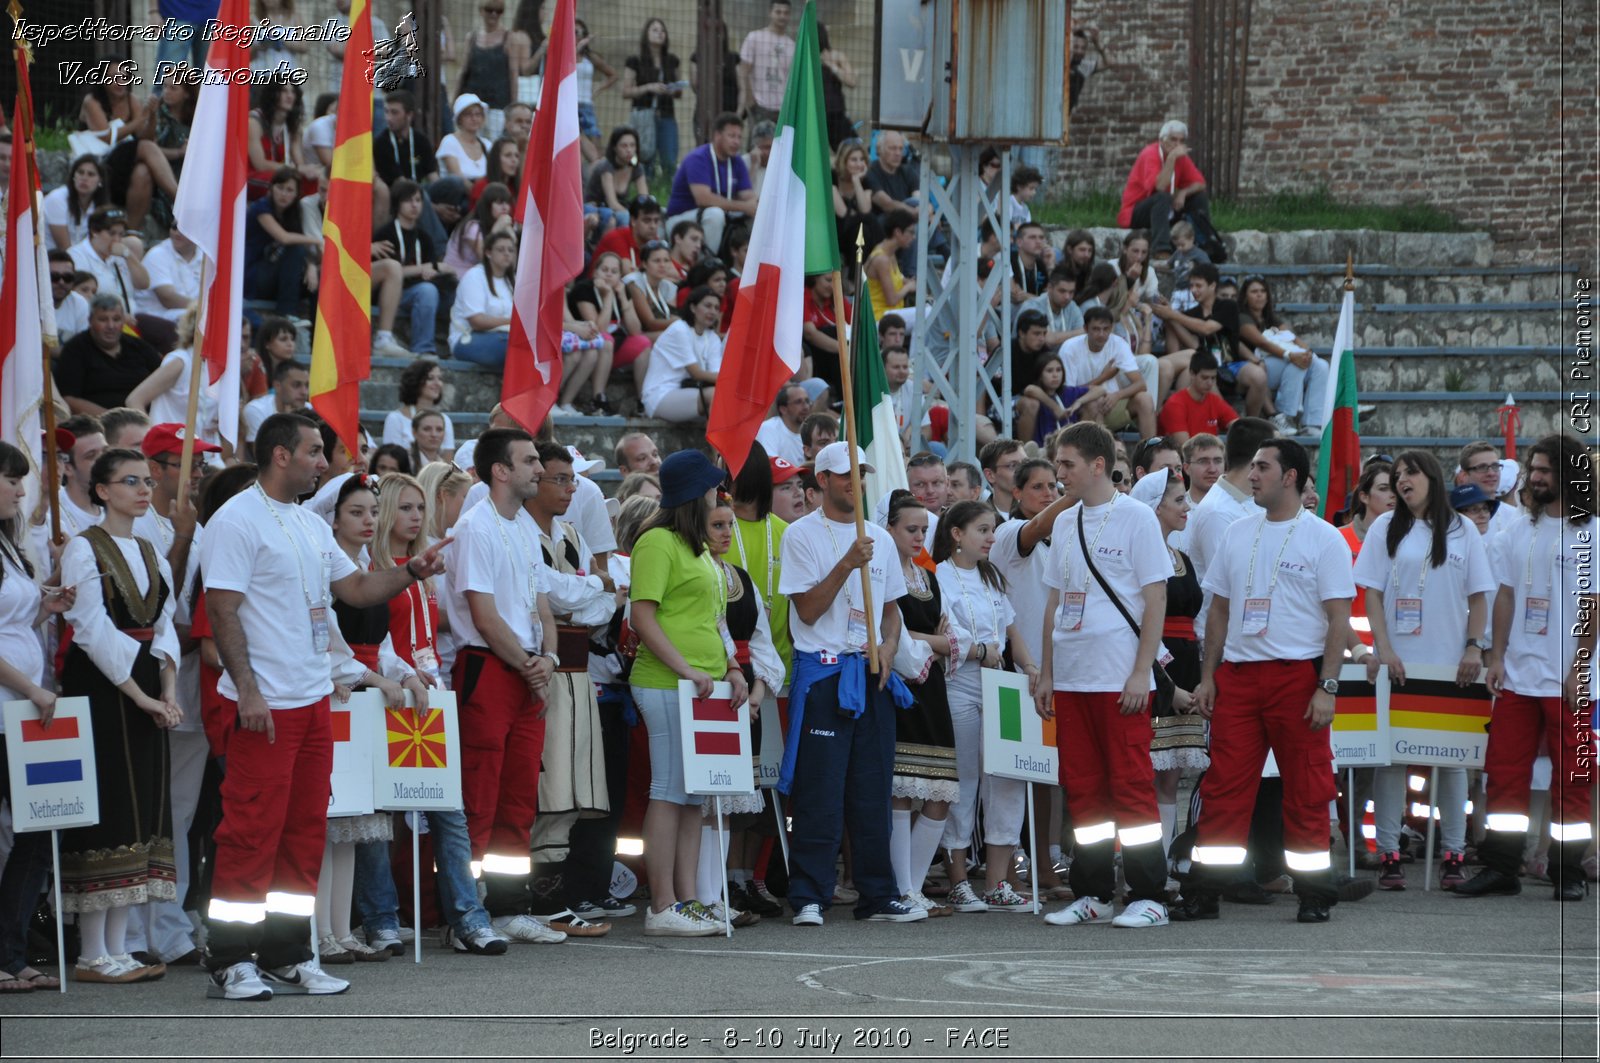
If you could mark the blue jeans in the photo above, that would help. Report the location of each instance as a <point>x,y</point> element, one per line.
<point>26,872</point>
<point>421,302</point>
<point>280,281</point>
<point>1297,390</point>
<point>452,856</point>
<point>609,219</point>
<point>666,160</point>
<point>843,772</point>
<point>191,51</point>
<point>483,348</point>
<point>377,900</point>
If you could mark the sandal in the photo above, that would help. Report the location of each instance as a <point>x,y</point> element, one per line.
<point>1055,893</point>
<point>105,969</point>
<point>139,970</point>
<point>576,926</point>
<point>38,979</point>
<point>11,983</point>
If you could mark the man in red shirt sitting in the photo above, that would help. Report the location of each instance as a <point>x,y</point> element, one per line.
<point>628,244</point>
<point>1164,186</point>
<point>1197,408</point>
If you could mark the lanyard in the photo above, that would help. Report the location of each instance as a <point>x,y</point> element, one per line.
<point>718,573</point>
<point>994,607</point>
<point>522,556</point>
<point>294,541</point>
<point>1427,557</point>
<point>1527,576</point>
<point>411,154</point>
<point>427,621</point>
<point>400,244</point>
<point>833,544</point>
<point>1092,544</point>
<point>717,176</point>
<point>656,300</point>
<point>1250,572</point>
<point>744,559</point>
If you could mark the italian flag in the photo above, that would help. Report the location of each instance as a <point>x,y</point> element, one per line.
<point>1339,456</point>
<point>793,236</point>
<point>877,432</point>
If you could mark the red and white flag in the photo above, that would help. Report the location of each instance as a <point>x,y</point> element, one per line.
<point>27,313</point>
<point>210,206</point>
<point>551,208</point>
<point>717,729</point>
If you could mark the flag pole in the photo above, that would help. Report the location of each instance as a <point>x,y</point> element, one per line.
<point>52,475</point>
<point>840,327</point>
<point>1349,271</point>
<point>192,414</point>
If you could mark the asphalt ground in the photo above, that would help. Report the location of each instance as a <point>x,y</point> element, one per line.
<point>1408,975</point>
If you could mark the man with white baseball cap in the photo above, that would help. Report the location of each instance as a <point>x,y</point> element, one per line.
<point>841,729</point>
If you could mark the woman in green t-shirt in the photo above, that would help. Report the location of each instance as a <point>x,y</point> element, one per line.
<point>677,588</point>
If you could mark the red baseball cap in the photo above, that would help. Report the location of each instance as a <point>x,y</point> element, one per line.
<point>783,470</point>
<point>168,439</point>
<point>65,440</point>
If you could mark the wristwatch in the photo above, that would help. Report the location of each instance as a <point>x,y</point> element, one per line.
<point>554,660</point>
<point>1329,686</point>
<point>1478,644</point>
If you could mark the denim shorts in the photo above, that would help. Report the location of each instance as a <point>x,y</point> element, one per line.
<point>588,125</point>
<point>660,711</point>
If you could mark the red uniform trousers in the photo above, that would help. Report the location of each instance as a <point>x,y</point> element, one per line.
<point>502,743</point>
<point>269,843</point>
<point>1262,705</point>
<point>1110,786</point>
<point>1518,723</point>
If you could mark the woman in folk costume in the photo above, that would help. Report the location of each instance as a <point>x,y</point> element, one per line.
<point>124,658</point>
<point>572,778</point>
<point>746,617</point>
<point>355,861</point>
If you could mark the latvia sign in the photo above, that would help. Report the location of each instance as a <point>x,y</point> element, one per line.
<point>419,761</point>
<point>1361,719</point>
<point>53,781</point>
<point>716,741</point>
<point>1434,722</point>
<point>351,793</point>
<point>1017,742</point>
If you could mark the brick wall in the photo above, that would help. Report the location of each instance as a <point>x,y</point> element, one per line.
<point>1462,105</point>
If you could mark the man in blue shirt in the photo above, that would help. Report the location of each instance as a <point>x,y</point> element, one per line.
<point>712,184</point>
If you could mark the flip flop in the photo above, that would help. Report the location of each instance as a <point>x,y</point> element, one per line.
<point>38,979</point>
<point>11,983</point>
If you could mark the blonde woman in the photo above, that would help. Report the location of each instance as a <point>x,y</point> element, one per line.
<point>852,199</point>
<point>445,488</point>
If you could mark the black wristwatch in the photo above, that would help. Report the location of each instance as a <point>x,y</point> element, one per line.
<point>1479,644</point>
<point>1329,686</point>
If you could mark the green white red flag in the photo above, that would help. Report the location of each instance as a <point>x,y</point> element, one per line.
<point>1339,456</point>
<point>877,430</point>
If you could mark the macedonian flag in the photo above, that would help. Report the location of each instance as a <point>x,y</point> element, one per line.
<point>417,738</point>
<point>341,347</point>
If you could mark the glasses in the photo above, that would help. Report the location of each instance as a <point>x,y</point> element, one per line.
<point>559,481</point>
<point>135,481</point>
<point>1483,466</point>
<point>493,10</point>
<point>60,278</point>
<point>166,463</point>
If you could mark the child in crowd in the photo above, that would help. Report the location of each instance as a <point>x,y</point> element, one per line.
<point>1185,255</point>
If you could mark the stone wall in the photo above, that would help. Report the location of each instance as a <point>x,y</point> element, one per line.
<point>1481,107</point>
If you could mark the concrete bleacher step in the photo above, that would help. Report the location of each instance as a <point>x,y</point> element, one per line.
<point>1322,283</point>
<point>1311,247</point>
<point>1437,369</point>
<point>1497,324</point>
<point>1473,414</point>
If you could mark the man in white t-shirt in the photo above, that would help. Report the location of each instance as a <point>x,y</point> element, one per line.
<point>1202,468</point>
<point>1279,623</point>
<point>780,433</point>
<point>839,757</point>
<point>507,651</point>
<point>1097,682</point>
<point>1099,358</point>
<point>291,392</point>
<point>72,309</point>
<point>272,571</point>
<point>1228,500</point>
<point>174,268</point>
<point>1539,672</point>
<point>78,511</point>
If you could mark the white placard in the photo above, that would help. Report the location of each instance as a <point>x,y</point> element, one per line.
<point>1435,723</point>
<point>351,792</point>
<point>1017,742</point>
<point>716,741</point>
<point>417,765</point>
<point>1360,731</point>
<point>53,780</point>
<point>769,764</point>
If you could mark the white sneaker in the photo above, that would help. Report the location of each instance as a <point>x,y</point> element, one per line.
<point>305,978</point>
<point>675,921</point>
<point>386,346</point>
<point>525,928</point>
<point>242,981</point>
<point>899,912</point>
<point>843,894</point>
<point>361,951</point>
<point>330,951</point>
<point>736,918</point>
<point>1284,425</point>
<point>562,409</point>
<point>963,899</point>
<point>809,915</point>
<point>1142,914</point>
<point>933,909</point>
<point>480,940</point>
<point>389,941</point>
<point>1083,910</point>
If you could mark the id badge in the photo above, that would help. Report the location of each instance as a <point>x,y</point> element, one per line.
<point>1408,616</point>
<point>1072,610</point>
<point>1163,655</point>
<point>1536,616</point>
<point>856,636</point>
<point>319,629</point>
<point>1256,613</point>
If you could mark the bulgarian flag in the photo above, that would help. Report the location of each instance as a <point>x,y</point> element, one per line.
<point>1339,456</point>
<point>551,254</point>
<point>877,431</point>
<point>341,348</point>
<point>793,235</point>
<point>210,205</point>
<point>27,311</point>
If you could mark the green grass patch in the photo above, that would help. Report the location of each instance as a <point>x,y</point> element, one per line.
<point>1278,212</point>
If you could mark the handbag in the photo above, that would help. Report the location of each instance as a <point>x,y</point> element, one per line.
<point>643,121</point>
<point>1165,687</point>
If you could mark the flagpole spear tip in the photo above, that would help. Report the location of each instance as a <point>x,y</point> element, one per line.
<point>861,244</point>
<point>1349,271</point>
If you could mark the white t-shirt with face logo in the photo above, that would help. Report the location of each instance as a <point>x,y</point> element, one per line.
<point>1443,591</point>
<point>1025,582</point>
<point>1553,560</point>
<point>1097,654</point>
<point>811,547</point>
<point>1313,566</point>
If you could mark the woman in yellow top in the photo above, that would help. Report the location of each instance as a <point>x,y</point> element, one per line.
<point>677,587</point>
<point>886,285</point>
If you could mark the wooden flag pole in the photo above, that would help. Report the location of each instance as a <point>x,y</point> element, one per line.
<point>1349,275</point>
<point>192,414</point>
<point>848,395</point>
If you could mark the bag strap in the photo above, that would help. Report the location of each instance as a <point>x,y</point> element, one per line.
<point>1083,541</point>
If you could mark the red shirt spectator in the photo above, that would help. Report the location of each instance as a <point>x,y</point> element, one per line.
<point>1142,180</point>
<point>1190,414</point>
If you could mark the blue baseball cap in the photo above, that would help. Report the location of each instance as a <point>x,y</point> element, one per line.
<point>685,476</point>
<point>1470,495</point>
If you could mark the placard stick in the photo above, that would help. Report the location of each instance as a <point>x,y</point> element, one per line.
<point>722,851</point>
<point>61,934</point>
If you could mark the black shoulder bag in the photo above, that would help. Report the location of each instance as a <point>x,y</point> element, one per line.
<point>1165,687</point>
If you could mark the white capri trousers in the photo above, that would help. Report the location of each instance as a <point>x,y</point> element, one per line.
<point>1005,801</point>
<point>678,406</point>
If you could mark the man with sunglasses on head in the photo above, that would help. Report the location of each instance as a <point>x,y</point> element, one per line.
<point>72,309</point>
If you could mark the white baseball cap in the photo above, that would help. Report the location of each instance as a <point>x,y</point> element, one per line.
<point>835,457</point>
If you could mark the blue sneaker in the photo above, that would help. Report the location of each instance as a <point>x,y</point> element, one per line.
<point>898,912</point>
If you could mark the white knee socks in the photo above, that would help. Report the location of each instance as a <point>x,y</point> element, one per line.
<point>925,836</point>
<point>900,849</point>
<point>92,935</point>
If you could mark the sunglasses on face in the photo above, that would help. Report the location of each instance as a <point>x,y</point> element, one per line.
<point>135,481</point>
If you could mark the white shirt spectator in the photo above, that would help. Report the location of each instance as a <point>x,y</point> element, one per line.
<point>172,405</point>
<point>398,431</point>
<point>111,274</point>
<point>474,295</point>
<point>1443,590</point>
<point>282,560</point>
<point>675,350</point>
<point>167,268</point>
<point>1025,582</point>
<point>57,211</point>
<point>471,169</point>
<point>72,316</point>
<point>779,442</point>
<point>814,544</point>
<point>1083,365</point>
<point>1208,532</point>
